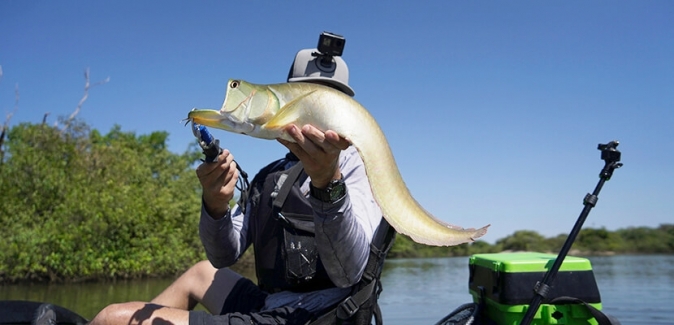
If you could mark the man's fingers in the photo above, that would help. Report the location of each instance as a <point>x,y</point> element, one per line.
<point>302,147</point>
<point>231,177</point>
<point>295,133</point>
<point>329,141</point>
<point>336,140</point>
<point>314,134</point>
<point>218,175</point>
<point>223,160</point>
<point>311,142</point>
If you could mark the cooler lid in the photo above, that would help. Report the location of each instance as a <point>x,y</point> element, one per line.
<point>527,262</point>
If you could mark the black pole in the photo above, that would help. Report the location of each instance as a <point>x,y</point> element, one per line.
<point>611,157</point>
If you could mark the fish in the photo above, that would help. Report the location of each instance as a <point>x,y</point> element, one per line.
<point>263,111</point>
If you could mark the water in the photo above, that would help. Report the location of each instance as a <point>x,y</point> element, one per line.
<point>634,289</point>
<point>637,289</point>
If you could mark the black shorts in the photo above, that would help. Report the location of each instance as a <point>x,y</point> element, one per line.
<point>242,307</point>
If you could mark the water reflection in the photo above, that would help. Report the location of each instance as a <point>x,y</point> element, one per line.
<point>636,289</point>
<point>87,299</point>
<point>422,291</point>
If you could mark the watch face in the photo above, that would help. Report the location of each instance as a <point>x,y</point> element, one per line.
<point>336,190</point>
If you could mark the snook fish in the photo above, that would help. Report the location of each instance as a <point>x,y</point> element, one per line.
<point>262,111</point>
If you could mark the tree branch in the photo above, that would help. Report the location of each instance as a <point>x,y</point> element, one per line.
<point>87,85</point>
<point>5,126</point>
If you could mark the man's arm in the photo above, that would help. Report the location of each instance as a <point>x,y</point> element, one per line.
<point>344,230</point>
<point>222,231</point>
<point>224,239</point>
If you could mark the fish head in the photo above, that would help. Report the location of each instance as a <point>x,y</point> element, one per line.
<point>246,108</point>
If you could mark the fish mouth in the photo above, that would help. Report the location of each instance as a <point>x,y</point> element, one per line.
<point>213,118</point>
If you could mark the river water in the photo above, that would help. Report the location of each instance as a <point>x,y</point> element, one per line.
<point>634,289</point>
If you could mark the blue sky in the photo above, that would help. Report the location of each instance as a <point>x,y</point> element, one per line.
<point>493,109</point>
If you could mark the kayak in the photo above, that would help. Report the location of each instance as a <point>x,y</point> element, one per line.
<point>23,312</point>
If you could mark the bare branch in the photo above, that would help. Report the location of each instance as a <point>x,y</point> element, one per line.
<point>16,106</point>
<point>87,85</point>
<point>16,97</point>
<point>2,131</point>
<point>44,118</point>
<point>5,127</point>
<point>2,141</point>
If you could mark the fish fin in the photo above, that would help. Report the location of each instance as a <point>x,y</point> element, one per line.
<point>288,114</point>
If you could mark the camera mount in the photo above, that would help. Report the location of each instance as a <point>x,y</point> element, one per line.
<point>611,156</point>
<point>329,45</point>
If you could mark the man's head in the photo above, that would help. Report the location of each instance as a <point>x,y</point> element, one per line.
<point>309,68</point>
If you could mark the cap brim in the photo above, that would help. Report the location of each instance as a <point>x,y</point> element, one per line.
<point>338,84</point>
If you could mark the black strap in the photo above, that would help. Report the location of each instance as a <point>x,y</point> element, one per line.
<point>348,306</point>
<point>601,318</point>
<point>293,175</point>
<point>378,319</point>
<point>244,187</point>
<point>381,245</point>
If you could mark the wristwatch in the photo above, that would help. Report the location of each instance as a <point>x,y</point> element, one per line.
<point>332,193</point>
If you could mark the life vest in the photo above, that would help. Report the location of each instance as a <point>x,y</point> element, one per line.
<point>277,203</point>
<point>283,238</point>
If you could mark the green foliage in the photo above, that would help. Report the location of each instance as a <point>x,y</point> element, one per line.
<point>647,240</point>
<point>590,241</point>
<point>598,240</point>
<point>524,240</point>
<point>78,205</point>
<point>404,247</point>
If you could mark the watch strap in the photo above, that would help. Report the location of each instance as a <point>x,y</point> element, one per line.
<point>328,194</point>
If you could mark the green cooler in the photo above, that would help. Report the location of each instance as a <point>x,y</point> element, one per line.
<point>505,283</point>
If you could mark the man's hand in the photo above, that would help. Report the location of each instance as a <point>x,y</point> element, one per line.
<point>218,181</point>
<point>318,151</point>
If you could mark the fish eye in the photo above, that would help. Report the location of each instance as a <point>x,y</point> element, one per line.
<point>234,84</point>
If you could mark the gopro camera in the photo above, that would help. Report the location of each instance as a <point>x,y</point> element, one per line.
<point>330,44</point>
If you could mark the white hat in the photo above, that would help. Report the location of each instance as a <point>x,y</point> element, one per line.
<point>307,68</point>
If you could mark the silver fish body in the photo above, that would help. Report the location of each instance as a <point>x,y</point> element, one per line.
<point>263,111</point>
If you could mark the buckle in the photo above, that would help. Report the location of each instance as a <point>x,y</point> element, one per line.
<point>347,308</point>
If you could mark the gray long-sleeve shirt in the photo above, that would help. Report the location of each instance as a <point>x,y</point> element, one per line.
<point>344,231</point>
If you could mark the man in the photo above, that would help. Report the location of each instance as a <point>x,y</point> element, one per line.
<point>311,237</point>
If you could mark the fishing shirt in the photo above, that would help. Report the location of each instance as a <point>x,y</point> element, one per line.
<point>343,233</point>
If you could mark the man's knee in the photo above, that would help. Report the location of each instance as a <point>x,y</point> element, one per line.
<point>195,279</point>
<point>202,270</point>
<point>117,313</point>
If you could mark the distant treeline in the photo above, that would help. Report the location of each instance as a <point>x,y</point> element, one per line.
<point>80,205</point>
<point>590,241</point>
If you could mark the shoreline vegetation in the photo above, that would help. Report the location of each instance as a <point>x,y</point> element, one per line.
<point>79,205</point>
